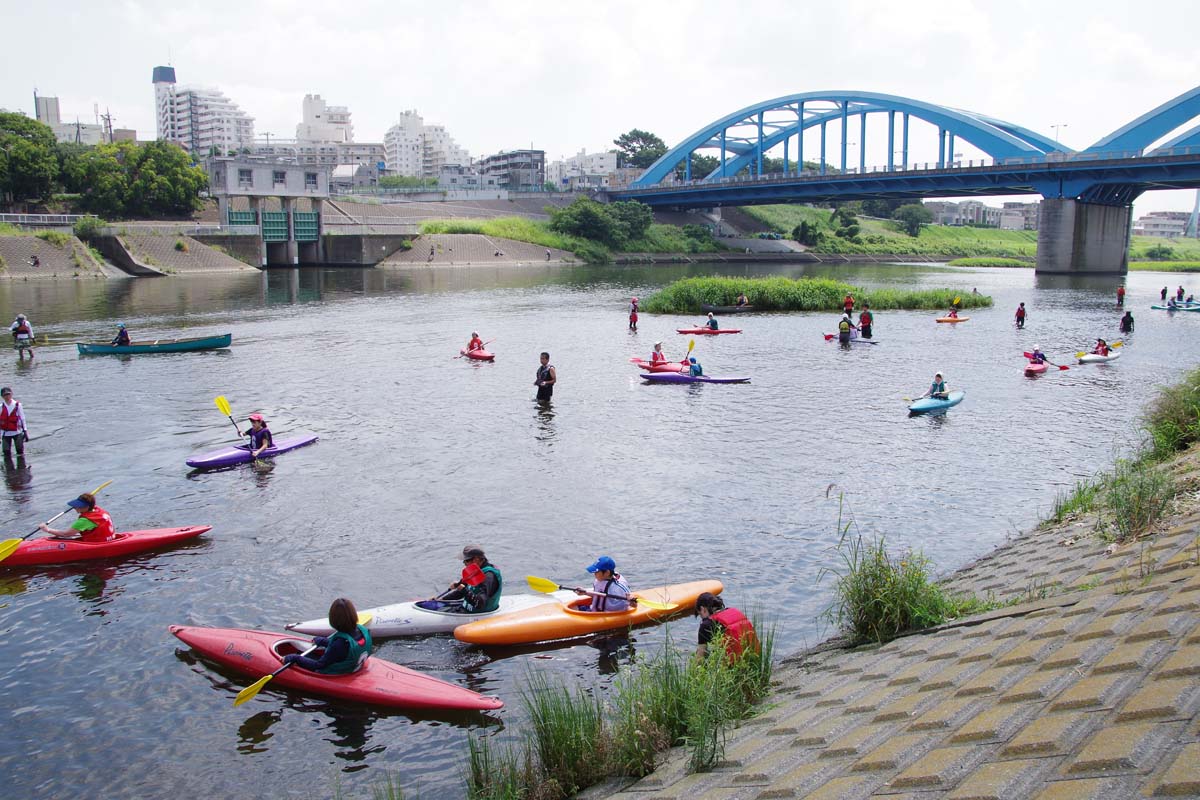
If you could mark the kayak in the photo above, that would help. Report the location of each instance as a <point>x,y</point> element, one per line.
<point>707,331</point>
<point>952,319</point>
<point>218,342</point>
<point>1177,307</point>
<point>552,621</point>
<point>425,617</point>
<point>679,377</point>
<point>240,453</point>
<point>662,366</point>
<point>1092,358</point>
<point>379,682</point>
<point>1032,369</point>
<point>709,308</point>
<point>36,552</point>
<point>831,337</point>
<point>927,404</point>
<point>478,355</point>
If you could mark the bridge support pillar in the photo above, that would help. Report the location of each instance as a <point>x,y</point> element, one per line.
<point>1077,237</point>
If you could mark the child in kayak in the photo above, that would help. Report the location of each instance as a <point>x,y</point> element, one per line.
<point>741,299</point>
<point>1020,316</point>
<point>93,525</point>
<point>937,389</point>
<point>122,337</point>
<point>609,591</point>
<point>1127,322</point>
<point>1101,348</point>
<point>633,314</point>
<point>260,435</point>
<point>952,313</point>
<point>481,584</point>
<point>476,343</point>
<point>1037,356</point>
<point>694,368</point>
<point>345,651</point>
<point>712,322</point>
<point>736,631</point>
<point>657,356</point>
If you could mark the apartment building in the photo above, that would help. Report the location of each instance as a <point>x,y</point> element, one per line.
<point>202,121</point>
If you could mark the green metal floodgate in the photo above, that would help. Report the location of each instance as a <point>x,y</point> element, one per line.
<point>243,217</point>
<point>274,226</point>
<point>306,225</point>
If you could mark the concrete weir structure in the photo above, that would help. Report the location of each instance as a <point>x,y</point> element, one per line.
<point>1077,237</point>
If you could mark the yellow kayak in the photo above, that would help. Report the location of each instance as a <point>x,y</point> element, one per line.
<point>952,319</point>
<point>551,621</point>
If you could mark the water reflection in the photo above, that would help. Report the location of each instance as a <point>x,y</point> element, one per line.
<point>255,731</point>
<point>18,475</point>
<point>545,421</point>
<point>351,728</point>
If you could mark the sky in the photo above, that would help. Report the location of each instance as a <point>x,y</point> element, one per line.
<point>565,76</point>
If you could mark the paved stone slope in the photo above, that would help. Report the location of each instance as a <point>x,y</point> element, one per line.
<point>470,248</point>
<point>159,252</point>
<point>70,260</point>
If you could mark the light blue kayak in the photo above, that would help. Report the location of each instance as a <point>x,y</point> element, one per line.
<point>927,404</point>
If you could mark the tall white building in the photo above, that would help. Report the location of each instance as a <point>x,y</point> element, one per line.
<point>324,123</point>
<point>47,112</point>
<point>199,120</point>
<point>417,150</point>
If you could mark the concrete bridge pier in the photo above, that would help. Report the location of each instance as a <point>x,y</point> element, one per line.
<point>1076,237</point>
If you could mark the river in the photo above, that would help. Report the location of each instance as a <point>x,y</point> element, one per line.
<point>421,453</point>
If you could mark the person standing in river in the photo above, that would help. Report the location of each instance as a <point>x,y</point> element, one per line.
<point>1120,295</point>
<point>1127,322</point>
<point>12,424</point>
<point>545,380</point>
<point>22,333</point>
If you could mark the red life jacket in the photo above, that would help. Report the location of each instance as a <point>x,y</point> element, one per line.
<point>104,525</point>
<point>8,419</point>
<point>475,344</point>
<point>739,631</point>
<point>23,328</point>
<point>657,357</point>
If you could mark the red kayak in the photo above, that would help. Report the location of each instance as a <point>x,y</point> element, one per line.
<point>35,552</point>
<point>379,682</point>
<point>1032,369</point>
<point>662,366</point>
<point>478,355</point>
<point>707,331</point>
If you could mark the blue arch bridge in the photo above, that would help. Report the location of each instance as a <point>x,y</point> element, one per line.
<point>799,148</point>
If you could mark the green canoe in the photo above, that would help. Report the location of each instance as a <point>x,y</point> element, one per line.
<point>157,346</point>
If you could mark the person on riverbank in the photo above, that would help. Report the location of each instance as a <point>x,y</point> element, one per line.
<point>735,631</point>
<point>845,326</point>
<point>346,650</point>
<point>122,337</point>
<point>34,261</point>
<point>1121,295</point>
<point>547,254</point>
<point>694,368</point>
<point>22,333</point>
<point>657,356</point>
<point>865,320</point>
<point>1126,325</point>
<point>1101,348</point>
<point>1020,316</point>
<point>480,586</point>
<point>609,590</point>
<point>711,324</point>
<point>545,379</point>
<point>93,524</point>
<point>260,435</point>
<point>633,314</point>
<point>12,424</point>
<point>937,389</point>
<point>476,343</point>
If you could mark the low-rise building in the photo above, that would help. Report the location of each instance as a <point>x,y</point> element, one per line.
<point>582,164</point>
<point>1165,224</point>
<point>517,170</point>
<point>324,123</point>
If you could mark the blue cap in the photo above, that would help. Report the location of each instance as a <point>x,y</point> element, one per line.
<point>692,360</point>
<point>120,324</point>
<point>603,563</point>
<point>77,504</point>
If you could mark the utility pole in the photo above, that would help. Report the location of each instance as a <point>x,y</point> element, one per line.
<point>107,118</point>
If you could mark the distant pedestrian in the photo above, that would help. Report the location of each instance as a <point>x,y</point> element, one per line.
<point>1120,296</point>
<point>545,380</point>
<point>547,254</point>
<point>22,333</point>
<point>12,424</point>
<point>1021,316</point>
<point>633,314</point>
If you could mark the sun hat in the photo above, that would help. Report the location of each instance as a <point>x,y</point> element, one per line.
<point>603,563</point>
<point>656,344</point>
<point>937,374</point>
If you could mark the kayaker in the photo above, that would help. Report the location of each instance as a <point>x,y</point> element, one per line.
<point>480,586</point>
<point>1171,305</point>
<point>694,368</point>
<point>848,304</point>
<point>737,632</point>
<point>122,337</point>
<point>633,314</point>
<point>546,378</point>
<point>741,299</point>
<point>22,333</point>
<point>1101,348</point>
<point>952,313</point>
<point>12,424</point>
<point>609,591</point>
<point>937,389</point>
<point>346,651</point>
<point>260,435</point>
<point>1121,295</point>
<point>845,326</point>
<point>93,525</point>
<point>1127,322</point>
<point>865,320</point>
<point>711,324</point>
<point>476,343</point>
<point>1020,316</point>
<point>1037,356</point>
<point>657,356</point>
<point>1191,299</point>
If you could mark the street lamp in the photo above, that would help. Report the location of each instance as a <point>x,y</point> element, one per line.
<point>1056,130</point>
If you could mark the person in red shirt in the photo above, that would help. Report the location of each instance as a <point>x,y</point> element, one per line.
<point>848,304</point>
<point>1101,348</point>
<point>657,356</point>
<point>1120,295</point>
<point>476,343</point>
<point>736,631</point>
<point>94,523</point>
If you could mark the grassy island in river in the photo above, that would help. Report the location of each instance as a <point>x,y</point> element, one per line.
<point>798,294</point>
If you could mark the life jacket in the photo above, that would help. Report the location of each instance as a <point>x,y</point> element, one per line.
<point>865,318</point>
<point>475,344</point>
<point>360,649</point>
<point>601,603</point>
<point>104,525</point>
<point>493,602</point>
<point>1037,358</point>
<point>712,324</point>
<point>739,632</point>
<point>257,437</point>
<point>844,326</point>
<point>1101,350</point>
<point>9,419</point>
<point>695,370</point>
<point>848,302</point>
<point>23,328</point>
<point>657,357</point>
<point>543,373</point>
<point>1020,312</point>
<point>938,387</point>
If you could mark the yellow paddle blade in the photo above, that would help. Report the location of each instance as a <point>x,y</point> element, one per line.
<point>1117,344</point>
<point>250,691</point>
<point>541,584</point>
<point>691,345</point>
<point>657,606</point>
<point>99,488</point>
<point>8,547</point>
<point>364,618</point>
<point>223,404</point>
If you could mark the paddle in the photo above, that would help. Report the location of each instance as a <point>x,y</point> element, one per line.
<point>1112,346</point>
<point>485,344</point>
<point>253,689</point>
<point>1051,363</point>
<point>547,586</point>
<point>223,405</point>
<point>9,546</point>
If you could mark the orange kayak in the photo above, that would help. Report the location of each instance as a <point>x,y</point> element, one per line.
<point>952,319</point>
<point>551,621</point>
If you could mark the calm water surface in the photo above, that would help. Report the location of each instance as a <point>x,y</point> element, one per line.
<point>421,453</point>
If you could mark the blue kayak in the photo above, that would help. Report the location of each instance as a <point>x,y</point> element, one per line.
<point>683,377</point>
<point>927,404</point>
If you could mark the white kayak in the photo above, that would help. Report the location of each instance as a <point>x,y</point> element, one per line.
<point>1092,358</point>
<point>425,617</point>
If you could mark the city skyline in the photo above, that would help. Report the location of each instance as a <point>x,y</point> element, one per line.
<point>504,76</point>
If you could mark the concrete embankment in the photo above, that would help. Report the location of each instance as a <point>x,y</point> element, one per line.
<point>470,249</point>
<point>1088,686</point>
<point>69,260</point>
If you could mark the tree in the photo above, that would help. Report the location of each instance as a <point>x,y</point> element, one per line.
<point>639,149</point>
<point>880,208</point>
<point>807,234</point>
<point>126,179</point>
<point>28,161</point>
<point>912,216</point>
<point>585,218</point>
<point>702,165</point>
<point>633,218</point>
